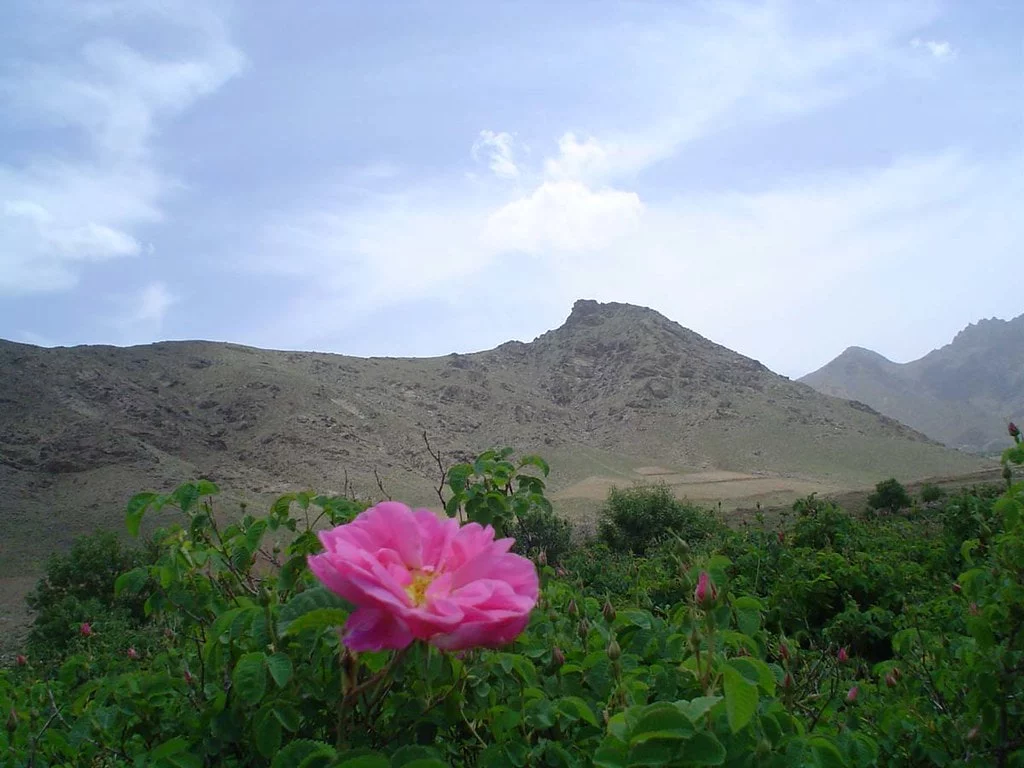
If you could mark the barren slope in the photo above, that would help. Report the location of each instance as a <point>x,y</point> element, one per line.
<point>616,389</point>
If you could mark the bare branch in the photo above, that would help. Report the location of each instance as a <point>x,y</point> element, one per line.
<point>436,455</point>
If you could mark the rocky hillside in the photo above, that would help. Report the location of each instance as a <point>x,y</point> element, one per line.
<point>617,386</point>
<point>962,394</point>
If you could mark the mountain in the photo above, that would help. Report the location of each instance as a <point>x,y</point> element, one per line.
<point>962,394</point>
<point>616,392</point>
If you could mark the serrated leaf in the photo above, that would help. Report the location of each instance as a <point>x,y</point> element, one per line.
<point>576,709</point>
<point>130,582</point>
<point>295,753</point>
<point>280,668</point>
<point>168,748</point>
<point>313,599</point>
<point>740,698</point>
<point>704,749</point>
<point>695,709</point>
<point>249,677</point>
<point>266,733</point>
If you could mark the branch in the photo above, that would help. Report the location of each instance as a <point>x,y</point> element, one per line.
<point>436,455</point>
<point>380,485</point>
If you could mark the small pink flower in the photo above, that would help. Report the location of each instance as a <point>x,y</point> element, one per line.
<point>851,695</point>
<point>85,629</point>
<point>706,592</point>
<point>414,576</point>
<point>132,653</point>
<point>842,657</point>
<point>784,651</point>
<point>188,677</point>
<point>21,660</point>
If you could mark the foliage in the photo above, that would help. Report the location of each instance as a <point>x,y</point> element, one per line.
<point>889,495</point>
<point>836,642</point>
<point>930,493</point>
<point>638,518</point>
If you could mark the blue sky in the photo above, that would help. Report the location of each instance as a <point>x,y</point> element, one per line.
<point>400,178</point>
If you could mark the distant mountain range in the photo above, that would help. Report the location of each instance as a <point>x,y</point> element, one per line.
<point>962,395</point>
<point>613,391</point>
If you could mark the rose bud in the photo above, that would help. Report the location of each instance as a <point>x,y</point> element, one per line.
<point>787,681</point>
<point>613,650</point>
<point>573,609</point>
<point>851,695</point>
<point>188,677</point>
<point>558,656</point>
<point>608,611</point>
<point>706,593</point>
<point>890,680</point>
<point>21,660</point>
<point>784,651</point>
<point>132,653</point>
<point>542,558</point>
<point>842,657</point>
<point>583,629</point>
<point>85,629</point>
<point>781,537</point>
<point>973,609</point>
<point>1013,430</point>
<point>957,588</point>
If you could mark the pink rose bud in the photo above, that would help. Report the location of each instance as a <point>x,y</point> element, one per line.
<point>706,592</point>
<point>558,656</point>
<point>188,677</point>
<point>12,720</point>
<point>957,588</point>
<point>851,695</point>
<point>1014,430</point>
<point>781,537</point>
<point>897,674</point>
<point>573,610</point>
<point>560,572</point>
<point>784,651</point>
<point>787,681</point>
<point>583,629</point>
<point>21,660</point>
<point>542,558</point>
<point>132,653</point>
<point>85,629</point>
<point>842,657</point>
<point>890,680</point>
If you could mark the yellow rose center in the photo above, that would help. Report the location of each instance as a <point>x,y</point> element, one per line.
<point>417,589</point>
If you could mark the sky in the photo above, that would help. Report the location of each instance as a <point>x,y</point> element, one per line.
<point>415,178</point>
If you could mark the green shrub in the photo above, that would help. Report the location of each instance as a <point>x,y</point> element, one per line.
<point>889,495</point>
<point>539,529</point>
<point>931,493</point>
<point>636,519</point>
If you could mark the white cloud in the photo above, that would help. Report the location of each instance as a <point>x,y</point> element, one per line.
<point>56,214</point>
<point>940,49</point>
<point>152,304</point>
<point>496,149</point>
<point>563,216</point>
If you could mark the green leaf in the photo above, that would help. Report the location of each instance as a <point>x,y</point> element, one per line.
<point>185,496</point>
<point>131,581</point>
<point>740,698</point>
<point>302,751</point>
<point>704,749</point>
<point>697,708</point>
<point>309,600</point>
<point>288,716</point>
<point>826,754</point>
<point>612,753</point>
<point>249,677</point>
<point>168,748</point>
<point>267,733</point>
<point>576,708</point>
<point>661,721</point>
<point>280,667</point>
<point>755,671</point>
<point>206,488</point>
<point>321,618</point>
<point>137,506</point>
<point>184,760</point>
<point>366,761</point>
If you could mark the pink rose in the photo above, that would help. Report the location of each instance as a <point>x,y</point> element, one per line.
<point>412,575</point>
<point>843,656</point>
<point>851,695</point>
<point>85,629</point>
